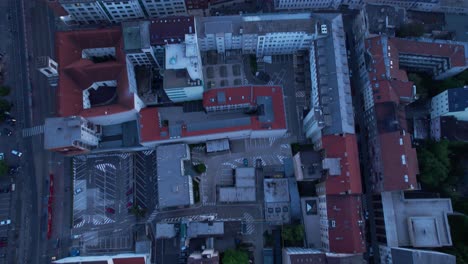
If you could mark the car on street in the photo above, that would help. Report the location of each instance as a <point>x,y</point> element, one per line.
<point>5,222</point>
<point>77,191</point>
<point>16,153</point>
<point>2,156</point>
<point>110,210</point>
<point>246,162</point>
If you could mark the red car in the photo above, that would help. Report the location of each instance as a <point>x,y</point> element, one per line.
<point>110,210</point>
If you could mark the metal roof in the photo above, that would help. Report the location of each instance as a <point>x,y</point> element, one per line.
<point>174,187</point>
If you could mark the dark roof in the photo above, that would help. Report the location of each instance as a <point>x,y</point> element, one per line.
<point>273,115</point>
<point>136,260</point>
<point>452,129</point>
<point>345,258</point>
<point>458,99</point>
<point>346,235</point>
<point>77,74</point>
<point>170,30</point>
<point>345,148</point>
<point>414,256</point>
<point>455,52</point>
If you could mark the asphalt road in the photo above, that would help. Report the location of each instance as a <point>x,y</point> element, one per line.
<point>32,30</point>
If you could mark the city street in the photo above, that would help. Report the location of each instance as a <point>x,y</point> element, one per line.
<point>31,22</point>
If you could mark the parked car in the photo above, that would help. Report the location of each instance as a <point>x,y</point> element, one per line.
<point>246,162</point>
<point>16,153</point>
<point>110,210</point>
<point>2,156</point>
<point>77,191</point>
<point>5,222</point>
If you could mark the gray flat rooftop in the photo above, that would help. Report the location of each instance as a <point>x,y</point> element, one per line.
<point>195,229</point>
<point>200,121</point>
<point>276,190</point>
<point>61,132</point>
<point>245,177</point>
<point>174,187</point>
<point>237,194</point>
<point>416,222</point>
<point>258,24</point>
<point>415,256</point>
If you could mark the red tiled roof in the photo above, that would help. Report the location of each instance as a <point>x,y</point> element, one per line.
<point>348,235</point>
<point>170,30</point>
<point>77,74</point>
<point>394,170</point>
<point>136,260</point>
<point>455,52</point>
<point>344,148</point>
<point>151,131</point>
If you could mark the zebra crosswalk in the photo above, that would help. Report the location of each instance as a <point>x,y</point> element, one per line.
<point>32,131</point>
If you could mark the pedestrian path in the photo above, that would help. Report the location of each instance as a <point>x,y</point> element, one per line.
<point>32,131</point>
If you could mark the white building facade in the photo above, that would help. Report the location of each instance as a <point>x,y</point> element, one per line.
<point>451,102</point>
<point>260,35</point>
<point>157,8</point>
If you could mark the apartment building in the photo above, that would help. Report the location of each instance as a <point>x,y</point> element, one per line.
<point>71,135</point>
<point>452,102</point>
<point>331,110</point>
<point>115,11</point>
<point>307,4</point>
<point>445,6</point>
<point>339,196</point>
<point>261,35</point>
<point>95,80</point>
<point>160,125</point>
<point>158,8</point>
<point>387,91</point>
<point>84,11</point>
<point>410,220</point>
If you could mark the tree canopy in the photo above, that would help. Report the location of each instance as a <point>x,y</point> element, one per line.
<point>293,235</point>
<point>4,90</point>
<point>3,168</point>
<point>434,163</point>
<point>235,256</point>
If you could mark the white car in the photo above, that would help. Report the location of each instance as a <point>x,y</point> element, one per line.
<point>16,153</point>
<point>5,222</point>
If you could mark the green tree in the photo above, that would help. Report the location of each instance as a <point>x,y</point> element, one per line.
<point>4,90</point>
<point>4,105</point>
<point>234,256</point>
<point>293,235</point>
<point>433,170</point>
<point>200,168</point>
<point>3,168</point>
